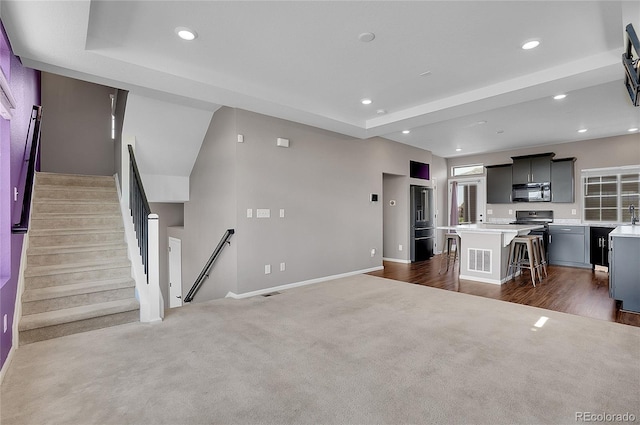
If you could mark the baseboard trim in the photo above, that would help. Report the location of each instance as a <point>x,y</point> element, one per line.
<point>396,260</point>
<point>483,279</point>
<point>302,283</point>
<point>7,363</point>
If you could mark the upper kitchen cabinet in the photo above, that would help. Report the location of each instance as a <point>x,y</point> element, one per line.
<point>532,168</point>
<point>563,180</point>
<point>499,184</point>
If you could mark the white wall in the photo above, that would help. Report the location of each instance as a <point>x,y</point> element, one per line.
<point>168,139</point>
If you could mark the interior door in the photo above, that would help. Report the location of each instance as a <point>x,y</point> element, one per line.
<point>470,201</point>
<point>175,273</point>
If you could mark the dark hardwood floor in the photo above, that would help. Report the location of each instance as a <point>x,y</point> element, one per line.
<point>569,290</point>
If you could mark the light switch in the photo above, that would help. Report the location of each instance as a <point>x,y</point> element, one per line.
<point>249,213</point>
<point>399,247</point>
<point>263,213</point>
<point>281,212</point>
<point>282,267</point>
<point>267,269</point>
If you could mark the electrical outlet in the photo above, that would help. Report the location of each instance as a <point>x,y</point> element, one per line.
<point>573,211</point>
<point>399,247</point>
<point>267,269</point>
<point>489,212</point>
<point>282,267</point>
<point>240,138</point>
<point>373,252</point>
<point>510,212</point>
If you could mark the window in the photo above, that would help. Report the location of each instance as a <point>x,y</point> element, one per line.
<point>608,193</point>
<point>467,170</point>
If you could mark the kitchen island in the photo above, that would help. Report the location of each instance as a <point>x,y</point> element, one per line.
<point>484,253</point>
<point>624,267</point>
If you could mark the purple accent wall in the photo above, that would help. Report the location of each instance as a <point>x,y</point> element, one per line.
<point>25,86</point>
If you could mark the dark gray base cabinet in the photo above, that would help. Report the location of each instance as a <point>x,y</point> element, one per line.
<point>568,246</point>
<point>624,272</point>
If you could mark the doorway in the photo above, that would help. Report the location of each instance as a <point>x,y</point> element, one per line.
<point>175,272</point>
<point>470,200</point>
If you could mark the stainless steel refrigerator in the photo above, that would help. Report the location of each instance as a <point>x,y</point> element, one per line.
<point>422,223</point>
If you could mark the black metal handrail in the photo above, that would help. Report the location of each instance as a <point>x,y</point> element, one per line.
<point>140,210</point>
<point>36,116</point>
<point>205,271</point>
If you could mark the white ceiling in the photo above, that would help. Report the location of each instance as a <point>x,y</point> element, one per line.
<point>303,61</point>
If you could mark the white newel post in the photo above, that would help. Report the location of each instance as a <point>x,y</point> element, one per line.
<point>156,303</point>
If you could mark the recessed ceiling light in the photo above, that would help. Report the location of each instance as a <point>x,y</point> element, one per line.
<point>366,101</point>
<point>631,130</point>
<point>424,74</point>
<point>582,130</point>
<point>500,131</point>
<point>559,96</point>
<point>366,37</point>
<point>530,44</point>
<point>458,149</point>
<point>186,33</point>
<point>406,131</point>
<point>481,122</point>
<point>381,111</point>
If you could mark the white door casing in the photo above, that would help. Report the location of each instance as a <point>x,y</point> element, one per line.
<point>175,272</point>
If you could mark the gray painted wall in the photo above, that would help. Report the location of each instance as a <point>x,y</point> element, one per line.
<point>323,181</point>
<point>396,219</point>
<point>439,175</point>
<point>212,210</point>
<point>170,215</point>
<point>76,127</point>
<point>595,153</point>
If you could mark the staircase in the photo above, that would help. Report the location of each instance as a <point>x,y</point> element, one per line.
<point>77,274</point>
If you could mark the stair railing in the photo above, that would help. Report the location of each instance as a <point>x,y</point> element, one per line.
<point>36,118</point>
<point>204,274</point>
<point>140,210</point>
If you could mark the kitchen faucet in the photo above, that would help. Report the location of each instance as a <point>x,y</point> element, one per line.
<point>632,210</point>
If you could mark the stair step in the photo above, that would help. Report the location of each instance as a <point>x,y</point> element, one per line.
<point>64,193</point>
<point>65,249</point>
<point>69,237</point>
<point>47,276</point>
<point>77,222</point>
<point>51,256</point>
<point>53,324</point>
<point>61,297</point>
<point>66,208</point>
<point>45,178</point>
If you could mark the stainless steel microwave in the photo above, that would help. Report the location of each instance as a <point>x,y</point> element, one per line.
<point>531,192</point>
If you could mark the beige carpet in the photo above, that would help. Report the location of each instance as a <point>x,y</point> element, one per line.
<point>359,350</point>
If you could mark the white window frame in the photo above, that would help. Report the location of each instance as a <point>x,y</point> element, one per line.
<point>453,168</point>
<point>600,172</point>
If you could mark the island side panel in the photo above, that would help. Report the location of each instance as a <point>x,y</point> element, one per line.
<point>489,262</point>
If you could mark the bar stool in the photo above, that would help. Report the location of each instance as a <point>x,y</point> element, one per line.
<point>524,254</point>
<point>449,240</point>
<point>542,256</point>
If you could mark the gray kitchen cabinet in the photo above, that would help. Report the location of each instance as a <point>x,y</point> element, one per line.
<point>563,180</point>
<point>499,184</point>
<point>567,245</point>
<point>531,168</point>
<point>624,269</point>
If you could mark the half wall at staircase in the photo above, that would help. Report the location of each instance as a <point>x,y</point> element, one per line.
<point>25,86</point>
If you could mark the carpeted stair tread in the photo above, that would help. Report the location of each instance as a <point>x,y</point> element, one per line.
<point>64,188</point>
<point>78,267</point>
<point>76,289</point>
<point>83,231</point>
<point>68,249</point>
<point>74,314</point>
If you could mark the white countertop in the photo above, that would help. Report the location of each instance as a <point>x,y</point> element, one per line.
<point>493,228</point>
<point>627,231</point>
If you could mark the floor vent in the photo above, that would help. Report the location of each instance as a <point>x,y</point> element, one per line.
<point>480,260</point>
<point>270,294</point>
